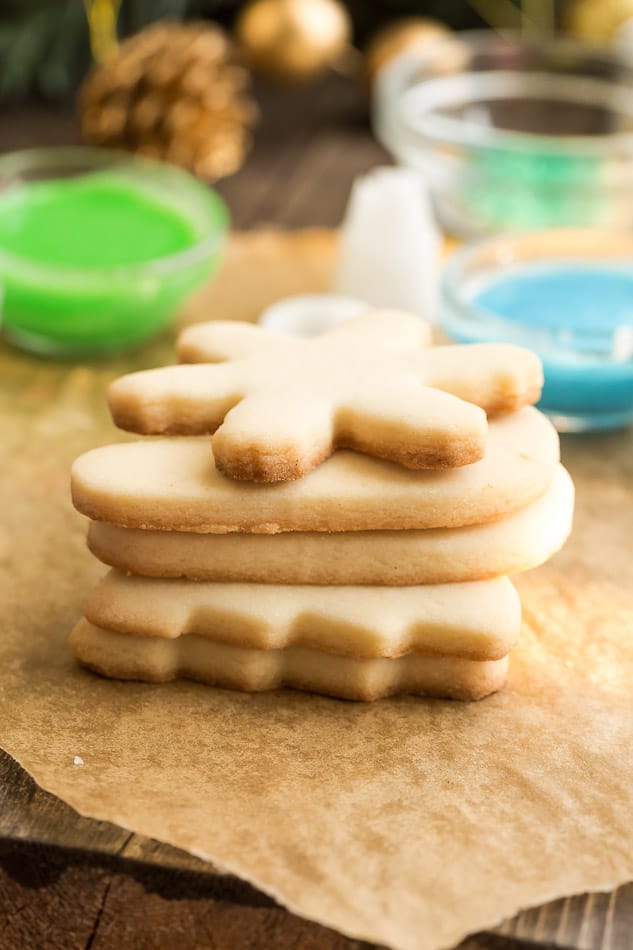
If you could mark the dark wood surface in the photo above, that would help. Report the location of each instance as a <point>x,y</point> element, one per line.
<point>308,147</point>
<point>68,882</point>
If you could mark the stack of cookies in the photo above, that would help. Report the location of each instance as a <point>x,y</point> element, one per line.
<point>349,527</point>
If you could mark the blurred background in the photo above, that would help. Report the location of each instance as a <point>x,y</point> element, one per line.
<point>45,44</point>
<point>207,83</point>
<point>504,116</point>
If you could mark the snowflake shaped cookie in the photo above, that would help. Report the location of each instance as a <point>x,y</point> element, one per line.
<point>280,405</point>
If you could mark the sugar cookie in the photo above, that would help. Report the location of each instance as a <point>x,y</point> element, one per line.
<point>479,621</point>
<point>516,542</point>
<point>280,405</point>
<point>173,484</point>
<point>157,660</point>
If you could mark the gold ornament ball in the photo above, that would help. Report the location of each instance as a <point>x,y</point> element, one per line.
<point>597,20</point>
<point>292,40</point>
<point>410,33</point>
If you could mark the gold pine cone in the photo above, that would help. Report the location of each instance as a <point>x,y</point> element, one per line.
<point>175,92</point>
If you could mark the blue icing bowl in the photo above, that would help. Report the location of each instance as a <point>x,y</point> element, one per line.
<point>567,295</point>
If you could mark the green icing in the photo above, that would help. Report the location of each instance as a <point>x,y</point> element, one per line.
<point>98,220</point>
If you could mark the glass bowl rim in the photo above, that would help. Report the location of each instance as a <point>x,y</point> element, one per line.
<point>443,130</point>
<point>81,157</point>
<point>452,282</point>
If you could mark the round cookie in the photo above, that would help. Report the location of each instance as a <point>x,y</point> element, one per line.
<point>173,484</point>
<point>516,542</point>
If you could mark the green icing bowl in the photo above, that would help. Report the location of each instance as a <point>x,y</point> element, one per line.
<point>98,249</point>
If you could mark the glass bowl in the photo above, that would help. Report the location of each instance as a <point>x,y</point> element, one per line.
<point>99,298</point>
<point>567,295</point>
<point>512,132</point>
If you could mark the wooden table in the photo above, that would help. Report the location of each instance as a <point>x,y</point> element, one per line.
<point>68,882</point>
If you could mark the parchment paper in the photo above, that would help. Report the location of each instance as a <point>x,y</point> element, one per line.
<point>406,822</point>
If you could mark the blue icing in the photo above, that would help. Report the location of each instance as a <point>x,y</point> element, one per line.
<point>574,296</point>
<point>578,317</point>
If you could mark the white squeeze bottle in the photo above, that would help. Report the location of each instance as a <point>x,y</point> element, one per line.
<point>390,245</point>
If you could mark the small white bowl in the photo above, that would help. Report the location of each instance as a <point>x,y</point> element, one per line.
<point>310,314</point>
